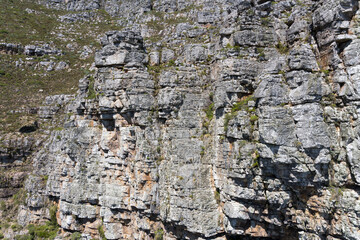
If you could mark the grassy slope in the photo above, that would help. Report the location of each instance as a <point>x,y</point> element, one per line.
<point>20,87</point>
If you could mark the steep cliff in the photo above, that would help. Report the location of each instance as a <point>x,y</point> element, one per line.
<point>207,120</point>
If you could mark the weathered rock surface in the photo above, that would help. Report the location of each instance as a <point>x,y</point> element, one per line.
<point>240,124</point>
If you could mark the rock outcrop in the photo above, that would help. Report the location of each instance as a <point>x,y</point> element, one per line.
<point>240,123</point>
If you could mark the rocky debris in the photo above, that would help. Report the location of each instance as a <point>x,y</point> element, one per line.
<point>41,50</point>
<point>53,104</point>
<point>11,48</point>
<point>86,52</point>
<point>61,66</point>
<point>11,183</point>
<point>30,50</point>
<point>16,149</point>
<point>83,8</point>
<point>76,17</point>
<point>47,65</point>
<point>128,9</point>
<point>51,65</point>
<point>73,5</point>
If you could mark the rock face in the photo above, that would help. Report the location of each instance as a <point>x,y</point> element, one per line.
<point>251,133</point>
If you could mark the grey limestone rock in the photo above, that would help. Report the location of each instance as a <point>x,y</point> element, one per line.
<point>240,123</point>
<point>120,49</point>
<point>302,58</point>
<point>11,48</point>
<point>256,37</point>
<point>167,55</point>
<point>277,127</point>
<point>41,50</point>
<point>352,154</point>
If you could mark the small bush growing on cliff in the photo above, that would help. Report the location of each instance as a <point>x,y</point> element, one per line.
<point>91,90</point>
<point>159,234</point>
<point>52,211</point>
<point>76,236</point>
<point>101,232</point>
<point>210,111</point>
<point>255,157</point>
<point>2,206</point>
<point>23,237</point>
<point>16,227</point>
<point>240,105</point>
<point>47,231</point>
<point>283,49</point>
<point>19,197</point>
<point>253,118</point>
<point>217,196</point>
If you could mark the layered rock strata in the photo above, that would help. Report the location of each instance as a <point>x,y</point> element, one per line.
<point>251,134</point>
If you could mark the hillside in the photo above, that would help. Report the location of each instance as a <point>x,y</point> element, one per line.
<point>171,119</point>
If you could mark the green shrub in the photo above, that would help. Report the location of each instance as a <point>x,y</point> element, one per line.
<point>265,21</point>
<point>211,96</point>
<point>91,89</point>
<point>253,118</point>
<point>282,72</point>
<point>16,227</point>
<point>159,160</point>
<point>217,196</point>
<point>255,157</point>
<point>326,72</point>
<point>283,49</point>
<point>228,117</point>
<point>156,25</point>
<point>298,144</point>
<point>159,234</point>
<point>47,231</point>
<point>242,104</point>
<point>101,232</point>
<point>3,205</point>
<point>255,164</point>
<point>76,236</point>
<point>5,225</point>
<point>24,237</point>
<point>210,111</point>
<point>45,177</point>
<point>52,211</point>
<point>19,197</point>
<point>202,153</point>
<point>171,63</point>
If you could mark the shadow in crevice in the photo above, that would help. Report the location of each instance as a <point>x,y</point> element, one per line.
<point>29,128</point>
<point>109,124</point>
